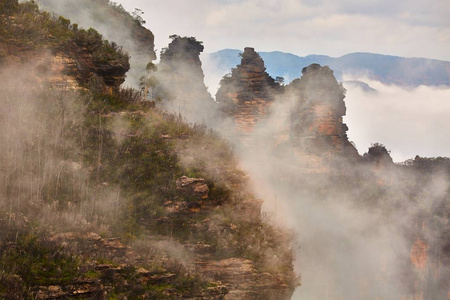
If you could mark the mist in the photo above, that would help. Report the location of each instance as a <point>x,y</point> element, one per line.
<point>349,246</point>
<point>36,146</point>
<point>213,73</point>
<point>107,19</point>
<point>355,237</point>
<point>408,121</point>
<point>357,231</point>
<point>356,225</point>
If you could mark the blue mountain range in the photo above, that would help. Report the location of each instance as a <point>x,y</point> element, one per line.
<point>385,68</point>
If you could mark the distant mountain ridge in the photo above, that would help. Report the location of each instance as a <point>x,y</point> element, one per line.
<point>385,68</point>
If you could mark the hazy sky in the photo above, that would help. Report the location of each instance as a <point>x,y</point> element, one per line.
<point>411,28</point>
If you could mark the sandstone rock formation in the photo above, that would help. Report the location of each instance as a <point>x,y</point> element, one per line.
<point>120,269</point>
<point>181,80</point>
<point>195,187</point>
<point>115,24</point>
<point>317,132</point>
<point>419,254</point>
<point>312,130</point>
<point>243,281</point>
<point>246,94</point>
<point>63,54</point>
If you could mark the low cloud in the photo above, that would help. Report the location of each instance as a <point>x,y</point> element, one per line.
<point>409,122</point>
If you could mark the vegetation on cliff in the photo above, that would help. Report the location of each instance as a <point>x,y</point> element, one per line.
<point>98,168</point>
<point>115,24</point>
<point>110,165</point>
<point>27,33</point>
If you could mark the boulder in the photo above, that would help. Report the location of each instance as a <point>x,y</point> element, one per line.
<point>193,187</point>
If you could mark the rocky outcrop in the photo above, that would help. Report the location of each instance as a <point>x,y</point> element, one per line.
<point>87,288</point>
<point>247,93</point>
<point>121,272</point>
<point>229,278</point>
<point>80,65</point>
<point>181,81</point>
<point>378,155</point>
<point>317,132</point>
<point>193,187</point>
<point>116,24</point>
<point>244,282</point>
<point>312,129</point>
<point>379,161</point>
<point>240,277</point>
<point>64,55</point>
<point>78,68</point>
<point>419,254</point>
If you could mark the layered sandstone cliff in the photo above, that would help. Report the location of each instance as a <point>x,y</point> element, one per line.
<point>115,24</point>
<point>312,128</point>
<point>247,93</point>
<point>317,132</point>
<point>64,54</point>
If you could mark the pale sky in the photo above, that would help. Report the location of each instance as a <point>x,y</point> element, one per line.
<point>410,28</point>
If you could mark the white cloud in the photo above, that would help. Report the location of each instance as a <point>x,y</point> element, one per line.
<point>408,122</point>
<point>404,28</point>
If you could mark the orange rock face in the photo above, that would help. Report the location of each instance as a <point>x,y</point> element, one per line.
<point>419,254</point>
<point>246,95</point>
<point>317,132</point>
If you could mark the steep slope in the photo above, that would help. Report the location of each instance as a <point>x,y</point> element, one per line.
<point>106,196</point>
<point>115,24</point>
<point>58,47</point>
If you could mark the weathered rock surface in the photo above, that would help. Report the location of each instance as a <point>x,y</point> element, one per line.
<point>193,187</point>
<point>247,93</point>
<point>122,269</point>
<point>239,276</point>
<point>317,133</point>
<point>76,68</point>
<point>87,288</point>
<point>312,127</point>
<point>71,58</point>
<point>230,278</point>
<point>115,25</point>
<point>419,254</point>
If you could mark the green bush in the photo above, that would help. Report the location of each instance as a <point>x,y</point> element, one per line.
<point>38,261</point>
<point>9,7</point>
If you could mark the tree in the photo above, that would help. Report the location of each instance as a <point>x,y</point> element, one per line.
<point>137,16</point>
<point>279,80</point>
<point>9,6</point>
<point>148,82</point>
